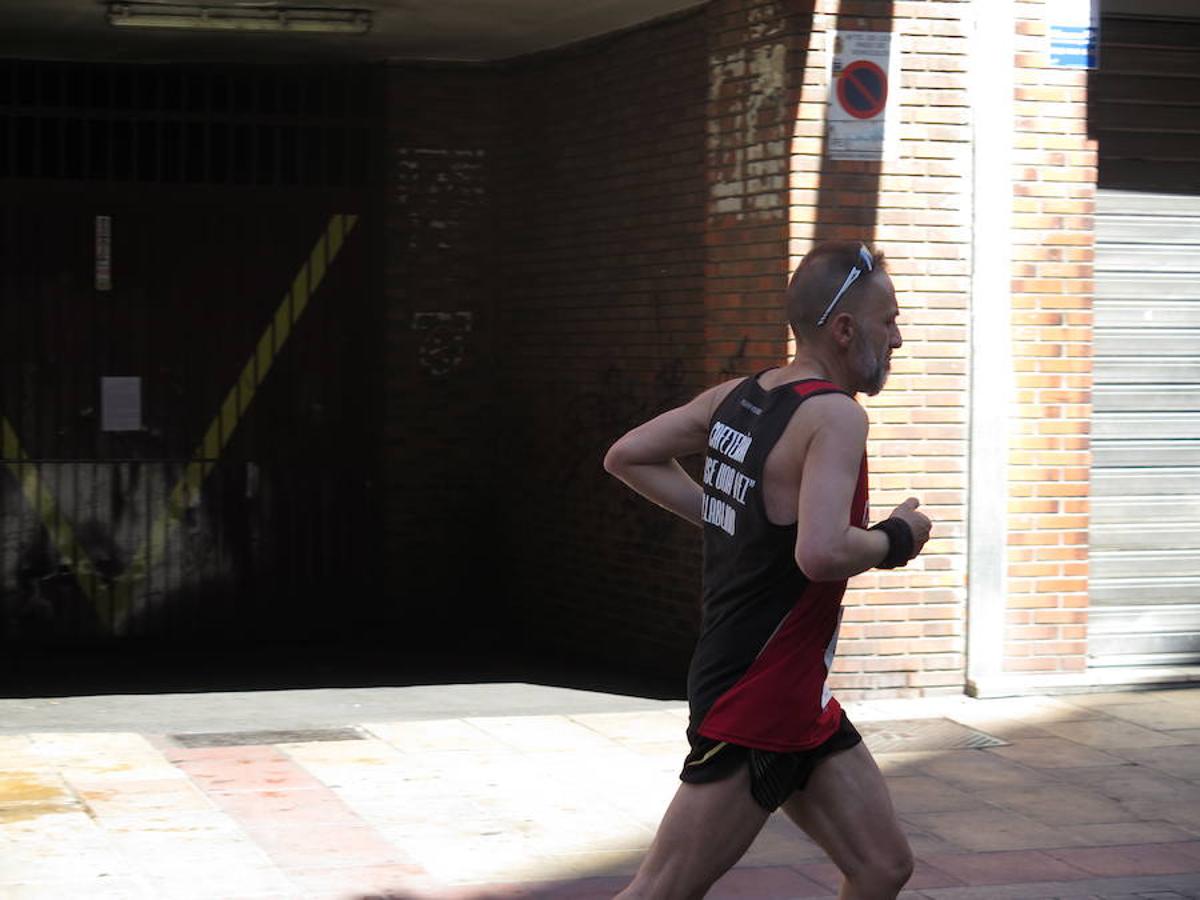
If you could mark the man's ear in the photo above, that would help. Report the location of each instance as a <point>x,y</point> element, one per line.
<point>843,327</point>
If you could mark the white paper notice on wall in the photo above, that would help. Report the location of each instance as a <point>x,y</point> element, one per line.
<point>1074,33</point>
<point>104,253</point>
<point>863,113</point>
<point>120,403</point>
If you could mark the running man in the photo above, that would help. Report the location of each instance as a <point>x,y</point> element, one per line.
<point>783,506</point>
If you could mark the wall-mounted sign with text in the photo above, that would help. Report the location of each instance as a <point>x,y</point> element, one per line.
<point>862,118</point>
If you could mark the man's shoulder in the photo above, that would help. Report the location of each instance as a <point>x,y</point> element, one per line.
<point>834,403</point>
<point>714,396</point>
<point>833,411</point>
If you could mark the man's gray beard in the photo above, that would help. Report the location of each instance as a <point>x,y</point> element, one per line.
<point>872,369</point>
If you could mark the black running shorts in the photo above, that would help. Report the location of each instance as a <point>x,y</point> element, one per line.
<point>773,776</point>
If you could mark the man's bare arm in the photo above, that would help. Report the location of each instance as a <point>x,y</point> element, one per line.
<point>646,457</point>
<point>828,547</point>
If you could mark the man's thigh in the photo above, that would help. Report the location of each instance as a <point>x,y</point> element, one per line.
<point>847,809</point>
<point>705,831</point>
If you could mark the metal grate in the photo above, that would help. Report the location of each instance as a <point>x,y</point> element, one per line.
<point>246,125</point>
<point>258,738</point>
<point>904,735</point>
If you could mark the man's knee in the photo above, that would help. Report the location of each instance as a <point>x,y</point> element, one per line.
<point>886,870</point>
<point>898,866</point>
<point>663,886</point>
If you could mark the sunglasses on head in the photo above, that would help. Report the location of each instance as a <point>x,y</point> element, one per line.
<point>865,263</point>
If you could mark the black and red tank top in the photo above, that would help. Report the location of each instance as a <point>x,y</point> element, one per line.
<point>768,634</point>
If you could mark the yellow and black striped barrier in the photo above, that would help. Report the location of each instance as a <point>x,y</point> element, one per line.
<point>233,409</point>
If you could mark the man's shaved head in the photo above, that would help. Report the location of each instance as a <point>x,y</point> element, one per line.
<point>817,279</point>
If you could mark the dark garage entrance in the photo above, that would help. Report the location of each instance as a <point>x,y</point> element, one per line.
<point>187,321</point>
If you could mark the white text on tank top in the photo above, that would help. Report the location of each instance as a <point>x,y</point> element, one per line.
<point>724,478</point>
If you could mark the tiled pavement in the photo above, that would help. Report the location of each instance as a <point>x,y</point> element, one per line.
<point>1090,796</point>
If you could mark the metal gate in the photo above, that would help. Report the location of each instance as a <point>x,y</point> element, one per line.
<point>1145,535</point>
<point>185,336</point>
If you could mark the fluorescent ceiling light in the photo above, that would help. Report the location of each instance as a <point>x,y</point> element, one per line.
<point>259,17</point>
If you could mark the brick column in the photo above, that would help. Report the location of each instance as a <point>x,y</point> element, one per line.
<point>1050,458</point>
<point>903,631</point>
<point>757,51</point>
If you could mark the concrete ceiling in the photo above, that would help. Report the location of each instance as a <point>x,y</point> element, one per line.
<point>464,30</point>
<point>461,30</point>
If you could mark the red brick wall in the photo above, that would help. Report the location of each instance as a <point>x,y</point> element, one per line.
<point>601,270</point>
<point>1055,184</point>
<point>757,53</point>
<point>443,126</point>
<point>903,631</point>
<point>622,239</point>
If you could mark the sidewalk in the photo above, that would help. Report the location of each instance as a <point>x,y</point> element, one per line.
<point>522,791</point>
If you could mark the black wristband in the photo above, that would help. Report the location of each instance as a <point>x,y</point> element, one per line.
<point>900,542</point>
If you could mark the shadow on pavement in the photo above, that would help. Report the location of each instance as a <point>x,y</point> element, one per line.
<point>588,888</point>
<point>130,668</point>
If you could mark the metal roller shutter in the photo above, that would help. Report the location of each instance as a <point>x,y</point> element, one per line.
<point>1145,533</point>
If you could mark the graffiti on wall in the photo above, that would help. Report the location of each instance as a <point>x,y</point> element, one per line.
<point>735,363</point>
<point>71,535</point>
<point>596,417</point>
<point>444,340</point>
<point>94,543</point>
<point>437,192</point>
<point>748,86</point>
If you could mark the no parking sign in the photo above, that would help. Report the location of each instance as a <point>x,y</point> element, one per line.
<point>862,111</point>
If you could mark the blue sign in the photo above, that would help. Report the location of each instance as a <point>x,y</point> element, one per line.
<point>1074,33</point>
<point>1074,47</point>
